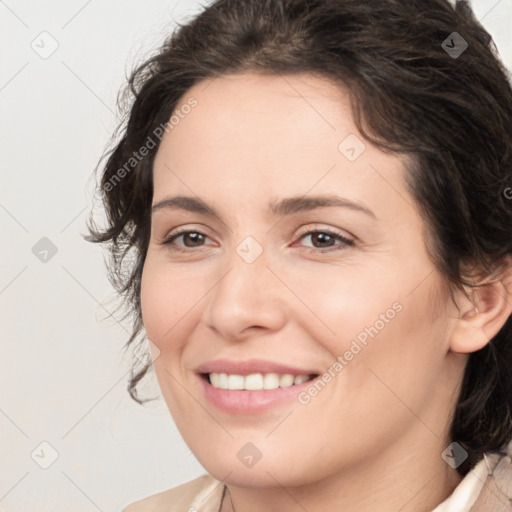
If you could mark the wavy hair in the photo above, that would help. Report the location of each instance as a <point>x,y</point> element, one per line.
<point>452,114</point>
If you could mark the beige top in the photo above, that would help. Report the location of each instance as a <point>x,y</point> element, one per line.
<point>486,488</point>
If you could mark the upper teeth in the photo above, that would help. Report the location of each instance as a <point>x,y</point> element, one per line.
<point>255,381</point>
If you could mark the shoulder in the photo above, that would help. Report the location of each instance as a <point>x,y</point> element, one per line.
<point>201,494</point>
<point>496,494</point>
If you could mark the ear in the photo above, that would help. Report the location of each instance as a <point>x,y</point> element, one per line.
<point>484,309</point>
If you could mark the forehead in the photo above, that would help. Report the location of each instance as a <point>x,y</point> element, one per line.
<point>243,109</point>
<point>252,135</point>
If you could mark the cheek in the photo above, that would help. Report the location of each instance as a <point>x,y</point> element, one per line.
<point>344,302</point>
<point>167,304</point>
<point>375,320</point>
<point>152,297</point>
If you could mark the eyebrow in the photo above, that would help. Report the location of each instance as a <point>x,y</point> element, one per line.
<point>283,207</point>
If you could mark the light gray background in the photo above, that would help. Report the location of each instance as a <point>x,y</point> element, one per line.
<point>63,373</point>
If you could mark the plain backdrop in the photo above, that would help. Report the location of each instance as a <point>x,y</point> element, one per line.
<point>71,438</point>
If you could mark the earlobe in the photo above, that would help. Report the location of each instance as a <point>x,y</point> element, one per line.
<point>482,315</point>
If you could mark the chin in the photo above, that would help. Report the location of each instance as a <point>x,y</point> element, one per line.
<point>264,474</point>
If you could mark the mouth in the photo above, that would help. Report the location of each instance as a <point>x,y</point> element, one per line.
<point>255,381</point>
<point>251,386</point>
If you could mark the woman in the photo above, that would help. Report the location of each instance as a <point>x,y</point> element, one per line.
<point>316,200</point>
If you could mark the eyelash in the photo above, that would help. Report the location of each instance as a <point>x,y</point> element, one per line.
<point>346,241</point>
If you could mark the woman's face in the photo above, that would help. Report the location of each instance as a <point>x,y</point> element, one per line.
<point>314,263</point>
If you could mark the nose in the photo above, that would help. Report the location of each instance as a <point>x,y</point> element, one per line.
<point>248,299</point>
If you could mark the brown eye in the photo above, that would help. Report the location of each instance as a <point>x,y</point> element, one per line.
<point>325,239</point>
<point>190,239</point>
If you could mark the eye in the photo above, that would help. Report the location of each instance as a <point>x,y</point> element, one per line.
<point>327,239</point>
<point>196,238</point>
<point>322,239</point>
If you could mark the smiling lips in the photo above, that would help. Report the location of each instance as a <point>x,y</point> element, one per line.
<point>251,386</point>
<point>256,381</point>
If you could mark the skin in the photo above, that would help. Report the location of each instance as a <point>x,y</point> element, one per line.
<point>373,437</point>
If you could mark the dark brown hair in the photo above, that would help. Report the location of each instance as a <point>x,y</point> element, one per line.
<point>410,93</point>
